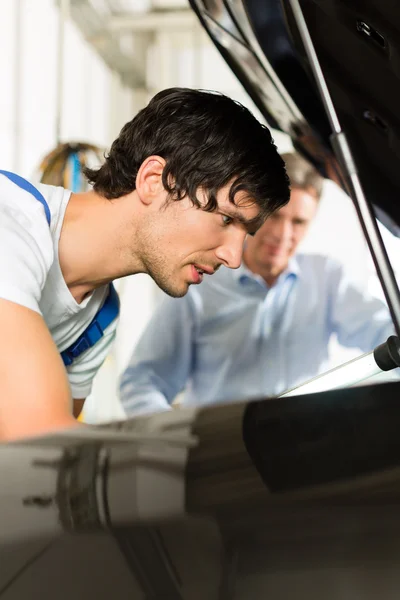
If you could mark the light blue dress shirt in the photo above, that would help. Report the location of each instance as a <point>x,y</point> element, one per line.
<point>234,338</point>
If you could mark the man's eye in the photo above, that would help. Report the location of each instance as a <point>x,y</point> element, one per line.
<point>227,220</point>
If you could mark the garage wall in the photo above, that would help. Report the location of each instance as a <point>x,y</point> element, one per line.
<point>28,76</point>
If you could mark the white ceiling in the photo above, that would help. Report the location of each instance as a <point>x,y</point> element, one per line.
<point>106,24</point>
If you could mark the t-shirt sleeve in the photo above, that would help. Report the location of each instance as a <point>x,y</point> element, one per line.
<point>26,249</point>
<point>82,371</point>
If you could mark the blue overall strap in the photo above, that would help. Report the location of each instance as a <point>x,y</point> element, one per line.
<point>28,187</point>
<point>95,330</point>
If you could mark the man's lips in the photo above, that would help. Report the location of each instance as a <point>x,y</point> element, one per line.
<point>196,276</point>
<point>199,270</point>
<point>206,269</point>
<point>275,249</point>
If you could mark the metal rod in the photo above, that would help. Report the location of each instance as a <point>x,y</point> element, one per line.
<point>345,159</point>
<point>315,66</point>
<point>350,373</point>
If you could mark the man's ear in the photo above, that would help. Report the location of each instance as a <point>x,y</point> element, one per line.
<point>149,184</point>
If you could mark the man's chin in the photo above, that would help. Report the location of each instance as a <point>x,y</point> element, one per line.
<point>177,293</point>
<point>174,291</point>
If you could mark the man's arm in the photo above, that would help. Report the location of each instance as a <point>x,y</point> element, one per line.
<point>360,319</point>
<point>162,361</point>
<point>34,392</point>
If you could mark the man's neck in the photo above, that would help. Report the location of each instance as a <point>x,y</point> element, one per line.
<point>269,275</point>
<point>91,246</point>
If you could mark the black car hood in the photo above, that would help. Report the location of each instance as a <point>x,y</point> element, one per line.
<point>358,45</point>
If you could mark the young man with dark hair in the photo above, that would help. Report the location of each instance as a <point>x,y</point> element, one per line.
<point>261,329</point>
<point>184,183</point>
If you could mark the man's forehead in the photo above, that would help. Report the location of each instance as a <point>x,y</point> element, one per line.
<point>300,203</point>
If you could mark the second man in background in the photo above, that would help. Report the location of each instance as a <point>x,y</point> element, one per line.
<point>261,329</point>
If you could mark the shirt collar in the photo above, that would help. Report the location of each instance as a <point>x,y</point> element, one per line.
<point>243,273</point>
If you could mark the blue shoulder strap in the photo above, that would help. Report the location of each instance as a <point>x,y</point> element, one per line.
<point>28,187</point>
<point>105,315</point>
<point>95,330</point>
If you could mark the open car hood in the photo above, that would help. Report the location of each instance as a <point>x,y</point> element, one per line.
<point>358,46</point>
<point>293,497</point>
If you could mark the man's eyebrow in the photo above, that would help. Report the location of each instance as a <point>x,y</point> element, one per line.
<point>252,224</point>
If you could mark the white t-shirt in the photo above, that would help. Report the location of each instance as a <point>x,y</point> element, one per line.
<point>30,275</point>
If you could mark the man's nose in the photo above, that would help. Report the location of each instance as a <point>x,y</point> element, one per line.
<point>283,231</point>
<point>231,252</point>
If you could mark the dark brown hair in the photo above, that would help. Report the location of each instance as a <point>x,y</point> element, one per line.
<point>207,141</point>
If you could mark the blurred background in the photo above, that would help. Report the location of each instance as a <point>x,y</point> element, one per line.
<point>73,72</point>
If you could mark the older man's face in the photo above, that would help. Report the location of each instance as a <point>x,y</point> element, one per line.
<point>277,240</point>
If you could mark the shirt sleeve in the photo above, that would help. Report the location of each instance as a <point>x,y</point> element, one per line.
<point>84,368</point>
<point>162,360</point>
<point>359,319</point>
<point>26,250</point>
